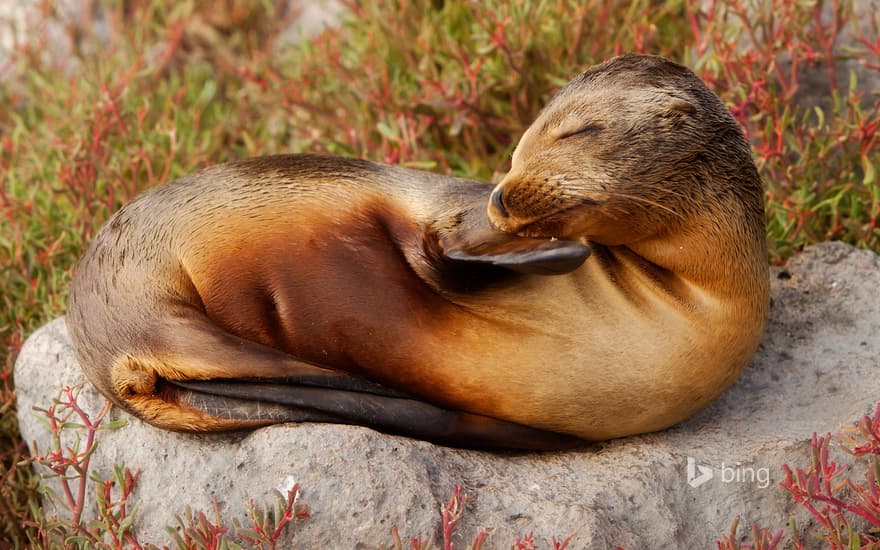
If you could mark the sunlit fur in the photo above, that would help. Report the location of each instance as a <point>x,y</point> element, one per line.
<point>305,266</point>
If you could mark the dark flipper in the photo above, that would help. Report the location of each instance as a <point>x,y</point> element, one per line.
<point>525,255</point>
<point>222,382</point>
<point>470,239</point>
<point>241,400</point>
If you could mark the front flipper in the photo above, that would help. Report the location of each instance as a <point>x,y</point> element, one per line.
<point>470,239</point>
<point>262,401</point>
<point>523,254</point>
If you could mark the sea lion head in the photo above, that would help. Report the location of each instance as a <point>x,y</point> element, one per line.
<point>629,148</point>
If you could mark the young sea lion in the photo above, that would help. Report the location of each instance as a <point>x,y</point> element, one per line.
<point>303,287</point>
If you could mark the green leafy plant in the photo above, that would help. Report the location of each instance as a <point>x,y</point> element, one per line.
<point>67,460</point>
<point>148,90</point>
<point>818,161</point>
<point>73,441</point>
<point>762,539</point>
<point>847,511</point>
<point>263,529</point>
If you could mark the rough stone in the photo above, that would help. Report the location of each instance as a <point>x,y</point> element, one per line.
<point>816,370</point>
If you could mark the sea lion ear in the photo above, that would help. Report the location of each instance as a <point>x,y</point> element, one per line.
<point>681,106</point>
<point>522,254</point>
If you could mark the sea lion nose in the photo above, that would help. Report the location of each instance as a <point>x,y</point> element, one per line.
<point>497,200</point>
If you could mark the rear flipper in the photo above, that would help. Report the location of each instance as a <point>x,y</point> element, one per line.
<point>263,401</point>
<point>201,378</point>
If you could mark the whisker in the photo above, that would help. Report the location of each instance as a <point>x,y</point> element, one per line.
<point>639,199</point>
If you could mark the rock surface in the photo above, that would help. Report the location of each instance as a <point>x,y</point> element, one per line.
<point>816,370</point>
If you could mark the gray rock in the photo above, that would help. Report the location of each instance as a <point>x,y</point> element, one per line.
<point>815,371</point>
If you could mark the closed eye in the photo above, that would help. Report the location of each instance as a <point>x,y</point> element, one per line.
<point>582,131</point>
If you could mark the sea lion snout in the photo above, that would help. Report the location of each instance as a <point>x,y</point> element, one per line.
<point>513,204</point>
<point>496,202</point>
<point>527,207</point>
<point>499,216</point>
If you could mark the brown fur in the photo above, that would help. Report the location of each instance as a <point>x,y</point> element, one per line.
<point>308,267</point>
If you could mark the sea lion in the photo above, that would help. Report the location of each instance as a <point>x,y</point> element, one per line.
<point>302,287</point>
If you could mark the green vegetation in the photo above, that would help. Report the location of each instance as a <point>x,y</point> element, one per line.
<point>153,89</point>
